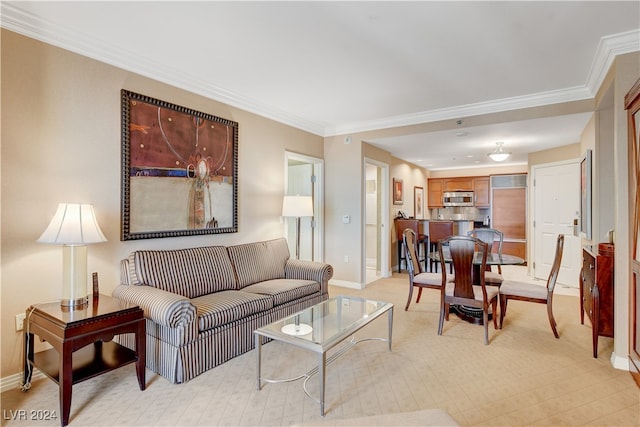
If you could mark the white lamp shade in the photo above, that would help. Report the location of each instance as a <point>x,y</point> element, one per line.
<point>73,224</point>
<point>297,206</point>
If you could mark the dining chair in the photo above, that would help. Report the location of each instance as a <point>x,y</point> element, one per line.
<point>438,230</point>
<point>417,276</point>
<point>530,292</point>
<point>491,236</point>
<point>462,291</point>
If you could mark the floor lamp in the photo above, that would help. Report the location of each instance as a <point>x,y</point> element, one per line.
<point>297,207</point>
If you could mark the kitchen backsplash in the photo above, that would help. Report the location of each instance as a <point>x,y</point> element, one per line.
<point>460,212</point>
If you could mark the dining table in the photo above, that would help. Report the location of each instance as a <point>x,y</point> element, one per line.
<point>471,314</point>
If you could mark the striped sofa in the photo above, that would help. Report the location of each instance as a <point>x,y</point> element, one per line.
<point>203,304</point>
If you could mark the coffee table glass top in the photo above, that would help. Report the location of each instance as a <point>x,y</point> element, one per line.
<point>326,323</point>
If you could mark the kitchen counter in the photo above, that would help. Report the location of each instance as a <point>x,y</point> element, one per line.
<point>460,226</point>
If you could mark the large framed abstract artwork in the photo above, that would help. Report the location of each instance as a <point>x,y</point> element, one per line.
<point>179,170</point>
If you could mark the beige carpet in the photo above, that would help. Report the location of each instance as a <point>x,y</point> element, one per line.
<point>427,417</point>
<point>523,377</point>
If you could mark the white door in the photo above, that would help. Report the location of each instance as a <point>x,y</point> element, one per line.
<point>556,206</point>
<point>303,177</point>
<point>376,216</point>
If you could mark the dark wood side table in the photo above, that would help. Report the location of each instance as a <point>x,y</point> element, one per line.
<point>82,343</point>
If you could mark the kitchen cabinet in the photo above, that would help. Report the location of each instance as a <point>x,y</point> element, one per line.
<point>435,192</point>
<point>458,184</point>
<point>509,215</point>
<point>481,192</point>
<point>596,291</point>
<point>518,249</point>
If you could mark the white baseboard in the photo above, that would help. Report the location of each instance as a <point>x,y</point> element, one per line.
<point>620,362</point>
<point>345,284</point>
<point>15,380</point>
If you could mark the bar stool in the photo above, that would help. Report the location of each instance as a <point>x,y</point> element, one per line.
<point>439,230</point>
<point>421,239</point>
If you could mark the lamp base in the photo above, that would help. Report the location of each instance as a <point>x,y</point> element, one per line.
<point>74,276</point>
<point>76,303</point>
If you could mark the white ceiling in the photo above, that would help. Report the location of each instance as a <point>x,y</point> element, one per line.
<point>336,68</point>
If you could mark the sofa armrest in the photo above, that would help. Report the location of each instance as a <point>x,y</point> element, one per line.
<point>162,307</point>
<point>309,270</point>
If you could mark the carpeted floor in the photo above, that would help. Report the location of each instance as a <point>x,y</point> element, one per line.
<point>523,377</point>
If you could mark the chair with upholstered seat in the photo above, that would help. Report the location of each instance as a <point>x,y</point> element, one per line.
<point>494,239</point>
<point>462,290</point>
<point>417,277</point>
<point>534,293</point>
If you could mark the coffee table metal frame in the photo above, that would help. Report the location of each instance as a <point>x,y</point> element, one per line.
<point>325,335</point>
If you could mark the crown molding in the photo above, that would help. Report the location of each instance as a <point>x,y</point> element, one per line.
<point>496,106</point>
<point>16,20</point>
<point>608,48</point>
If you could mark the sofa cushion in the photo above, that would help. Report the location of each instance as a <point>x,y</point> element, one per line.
<point>188,272</point>
<point>284,290</point>
<point>259,261</point>
<point>225,307</point>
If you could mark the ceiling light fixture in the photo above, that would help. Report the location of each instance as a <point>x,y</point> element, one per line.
<point>499,155</point>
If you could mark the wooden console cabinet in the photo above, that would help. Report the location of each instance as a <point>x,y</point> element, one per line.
<point>596,291</point>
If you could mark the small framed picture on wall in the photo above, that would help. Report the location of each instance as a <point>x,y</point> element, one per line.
<point>398,192</point>
<point>418,202</point>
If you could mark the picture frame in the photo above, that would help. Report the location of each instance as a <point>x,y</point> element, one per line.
<point>418,202</point>
<point>585,195</point>
<point>398,192</point>
<point>179,173</point>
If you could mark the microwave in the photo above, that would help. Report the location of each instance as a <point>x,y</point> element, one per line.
<point>458,198</point>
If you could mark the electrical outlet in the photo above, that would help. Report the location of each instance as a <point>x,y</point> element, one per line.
<point>346,258</point>
<point>20,321</point>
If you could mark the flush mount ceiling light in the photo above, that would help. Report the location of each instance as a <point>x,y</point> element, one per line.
<point>499,155</point>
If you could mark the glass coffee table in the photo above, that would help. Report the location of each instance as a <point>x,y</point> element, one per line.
<point>319,329</point>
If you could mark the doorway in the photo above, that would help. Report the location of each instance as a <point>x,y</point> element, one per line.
<point>556,199</point>
<point>303,177</point>
<point>376,218</point>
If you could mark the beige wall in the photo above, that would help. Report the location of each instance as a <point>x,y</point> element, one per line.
<point>61,143</point>
<point>626,72</point>
<point>566,152</point>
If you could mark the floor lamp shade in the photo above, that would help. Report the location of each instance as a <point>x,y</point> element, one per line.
<point>73,226</point>
<point>297,206</point>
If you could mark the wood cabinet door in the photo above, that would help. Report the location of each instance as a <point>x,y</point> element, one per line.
<point>510,212</point>
<point>518,249</point>
<point>435,193</point>
<point>458,184</point>
<point>481,191</point>
<point>632,104</point>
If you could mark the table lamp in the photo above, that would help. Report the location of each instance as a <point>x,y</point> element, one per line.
<point>297,206</point>
<point>73,226</point>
